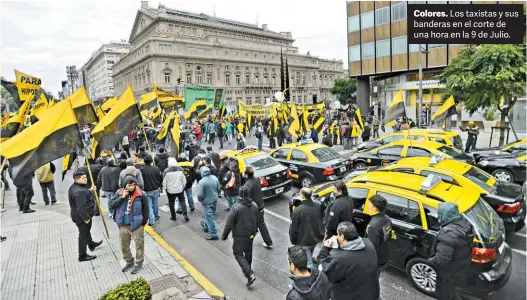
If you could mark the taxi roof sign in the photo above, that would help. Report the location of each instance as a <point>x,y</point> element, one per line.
<point>430,182</point>
<point>248,149</point>
<point>305,142</point>
<point>436,159</point>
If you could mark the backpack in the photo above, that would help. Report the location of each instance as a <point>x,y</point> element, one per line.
<point>220,131</point>
<point>258,134</point>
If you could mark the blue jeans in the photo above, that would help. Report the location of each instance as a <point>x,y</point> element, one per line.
<point>190,199</point>
<point>260,143</point>
<point>153,205</point>
<point>232,200</point>
<point>108,196</point>
<point>208,217</point>
<point>309,252</point>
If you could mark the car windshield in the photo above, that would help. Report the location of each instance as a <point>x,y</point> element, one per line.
<point>325,154</point>
<point>485,220</point>
<point>482,179</point>
<point>449,151</point>
<point>260,162</point>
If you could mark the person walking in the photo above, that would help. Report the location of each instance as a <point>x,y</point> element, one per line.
<point>152,184</point>
<point>107,180</point>
<point>366,132</point>
<point>308,283</point>
<point>229,129</point>
<point>125,143</point>
<point>139,160</point>
<point>133,171</point>
<point>208,191</point>
<point>355,133</point>
<point>95,169</point>
<point>255,193</point>
<point>243,222</point>
<point>241,141</point>
<point>339,210</point>
<point>350,264</point>
<point>199,136</point>
<point>189,171</point>
<point>473,132</point>
<point>379,230</point>
<point>376,123</point>
<point>81,211</point>
<point>280,135</point>
<point>24,192</point>
<point>233,182</point>
<point>45,178</point>
<point>346,135</point>
<point>161,159</point>
<point>259,135</point>
<point>453,252</point>
<point>314,135</point>
<point>130,209</point>
<point>306,222</point>
<point>220,132</point>
<point>211,129</point>
<point>174,183</point>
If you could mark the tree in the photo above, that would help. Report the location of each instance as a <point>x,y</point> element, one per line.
<point>486,76</point>
<point>13,106</point>
<point>344,89</point>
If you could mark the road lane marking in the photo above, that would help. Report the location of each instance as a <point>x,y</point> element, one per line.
<point>277,215</point>
<point>519,251</point>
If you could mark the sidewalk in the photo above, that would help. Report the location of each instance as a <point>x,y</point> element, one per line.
<point>39,259</point>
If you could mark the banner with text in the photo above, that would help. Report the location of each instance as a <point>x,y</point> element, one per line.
<point>212,96</point>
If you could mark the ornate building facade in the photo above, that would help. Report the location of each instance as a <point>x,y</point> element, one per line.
<point>168,44</point>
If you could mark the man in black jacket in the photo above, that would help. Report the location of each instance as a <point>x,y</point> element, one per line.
<point>339,210</point>
<point>108,180</point>
<point>95,169</point>
<point>24,192</point>
<point>379,230</point>
<point>243,222</point>
<point>161,159</point>
<point>215,157</point>
<point>350,263</point>
<point>308,284</point>
<point>152,180</point>
<point>255,193</point>
<point>453,252</point>
<point>305,225</point>
<point>192,149</point>
<point>81,211</point>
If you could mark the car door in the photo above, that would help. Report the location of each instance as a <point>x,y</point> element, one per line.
<point>387,155</point>
<point>406,216</point>
<point>417,152</point>
<point>298,160</point>
<point>360,218</point>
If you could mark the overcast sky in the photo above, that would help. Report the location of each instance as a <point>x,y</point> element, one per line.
<point>42,37</point>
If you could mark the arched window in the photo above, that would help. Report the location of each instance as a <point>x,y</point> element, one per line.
<point>297,77</point>
<point>199,75</point>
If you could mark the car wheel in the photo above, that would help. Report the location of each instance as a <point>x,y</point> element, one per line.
<point>422,275</point>
<point>307,181</point>
<point>503,175</point>
<point>360,166</point>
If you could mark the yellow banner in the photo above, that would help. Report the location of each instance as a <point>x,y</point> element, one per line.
<point>27,85</point>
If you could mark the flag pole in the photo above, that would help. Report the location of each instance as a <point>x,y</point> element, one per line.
<point>148,144</point>
<point>95,193</point>
<point>3,182</point>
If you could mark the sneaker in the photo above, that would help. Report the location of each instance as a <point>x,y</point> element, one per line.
<point>110,215</point>
<point>192,209</point>
<point>33,203</point>
<point>186,217</point>
<point>95,245</point>
<point>212,238</point>
<point>87,257</point>
<point>127,267</point>
<point>205,229</point>
<point>136,269</point>
<point>251,280</point>
<point>46,203</point>
<point>28,211</point>
<point>267,246</point>
<point>157,218</point>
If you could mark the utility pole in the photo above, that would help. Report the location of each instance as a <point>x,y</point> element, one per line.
<point>420,66</point>
<point>71,71</point>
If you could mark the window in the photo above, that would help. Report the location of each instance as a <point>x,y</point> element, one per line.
<point>431,217</point>
<point>443,177</point>
<point>399,45</point>
<point>265,79</point>
<point>367,51</point>
<point>382,15</point>
<point>450,151</point>
<point>417,152</point>
<point>170,27</point>
<point>359,196</point>
<point>438,139</point>
<point>367,20</point>
<point>167,77</point>
<point>256,79</point>
<point>353,23</point>
<point>404,170</point>
<point>414,47</point>
<point>303,80</point>
<point>260,162</point>
<point>395,151</point>
<point>226,68</point>
<point>227,79</point>
<point>298,155</point>
<point>392,138</point>
<point>189,77</point>
<point>199,75</point>
<point>209,78</point>
<point>398,11</point>
<point>402,209</point>
<point>274,80</point>
<point>247,79</point>
<point>383,48</point>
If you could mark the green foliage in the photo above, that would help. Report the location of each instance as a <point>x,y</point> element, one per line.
<point>343,89</point>
<point>490,113</point>
<point>134,290</point>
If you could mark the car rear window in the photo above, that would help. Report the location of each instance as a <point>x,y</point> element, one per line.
<point>485,220</point>
<point>481,178</point>
<point>449,151</point>
<point>326,154</point>
<point>260,162</point>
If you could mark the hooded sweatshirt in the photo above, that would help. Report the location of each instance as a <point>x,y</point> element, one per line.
<point>161,161</point>
<point>129,172</point>
<point>174,180</point>
<point>208,187</point>
<point>313,287</point>
<point>243,218</point>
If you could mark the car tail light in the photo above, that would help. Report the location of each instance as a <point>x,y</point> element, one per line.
<point>510,208</point>
<point>288,172</point>
<point>483,255</point>
<point>351,165</point>
<point>328,170</point>
<point>263,182</point>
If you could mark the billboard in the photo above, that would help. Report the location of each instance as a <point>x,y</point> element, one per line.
<point>212,96</point>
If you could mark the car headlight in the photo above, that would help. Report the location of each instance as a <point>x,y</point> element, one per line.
<point>483,163</point>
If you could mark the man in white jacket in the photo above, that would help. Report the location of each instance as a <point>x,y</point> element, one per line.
<point>174,182</point>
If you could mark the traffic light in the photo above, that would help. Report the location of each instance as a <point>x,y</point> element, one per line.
<point>178,81</point>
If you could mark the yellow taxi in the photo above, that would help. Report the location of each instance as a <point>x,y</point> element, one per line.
<point>405,148</point>
<point>311,163</point>
<point>413,202</point>
<point>275,179</point>
<point>448,138</point>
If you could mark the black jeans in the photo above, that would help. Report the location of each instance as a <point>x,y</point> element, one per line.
<point>242,248</point>
<point>126,149</point>
<point>221,141</point>
<point>262,227</point>
<point>4,180</point>
<point>85,238</point>
<point>45,186</point>
<point>24,194</point>
<point>172,202</point>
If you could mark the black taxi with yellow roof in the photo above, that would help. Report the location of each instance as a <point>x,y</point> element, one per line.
<point>275,179</point>
<point>311,163</point>
<point>413,202</point>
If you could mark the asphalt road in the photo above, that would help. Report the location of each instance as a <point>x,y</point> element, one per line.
<point>214,259</point>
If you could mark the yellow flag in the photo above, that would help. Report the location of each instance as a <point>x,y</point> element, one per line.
<point>15,123</point>
<point>109,104</point>
<point>174,149</point>
<point>166,126</point>
<point>27,85</point>
<point>40,106</point>
<point>294,126</point>
<point>83,107</point>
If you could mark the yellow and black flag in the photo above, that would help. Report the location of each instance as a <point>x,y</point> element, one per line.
<point>14,124</point>
<point>395,110</point>
<point>54,136</point>
<point>358,119</point>
<point>207,111</point>
<point>305,120</point>
<point>167,125</point>
<point>174,148</point>
<point>446,110</point>
<point>221,113</point>
<point>318,122</point>
<point>40,106</point>
<point>168,99</point>
<point>27,86</point>
<point>12,90</point>
<point>192,112</point>
<point>148,101</point>
<point>100,112</point>
<point>294,122</point>
<point>120,120</point>
<point>83,107</point>
<point>108,104</point>
<point>67,163</point>
<point>249,122</point>
<point>155,113</point>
